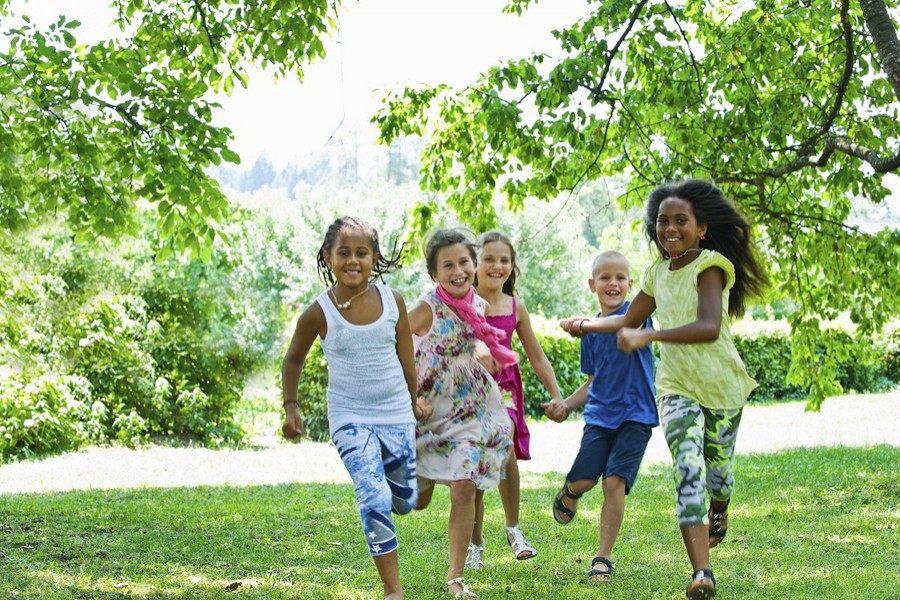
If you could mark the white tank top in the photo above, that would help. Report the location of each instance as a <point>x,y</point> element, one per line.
<point>365,378</point>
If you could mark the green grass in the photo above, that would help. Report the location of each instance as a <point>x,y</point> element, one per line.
<point>811,523</point>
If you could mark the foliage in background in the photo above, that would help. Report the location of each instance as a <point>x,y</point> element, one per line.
<point>866,368</point>
<point>304,540</point>
<point>792,108</point>
<point>102,343</point>
<point>90,129</point>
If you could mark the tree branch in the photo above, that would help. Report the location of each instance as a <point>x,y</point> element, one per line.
<point>884,36</point>
<point>690,52</point>
<point>840,144</point>
<point>845,80</point>
<point>597,90</point>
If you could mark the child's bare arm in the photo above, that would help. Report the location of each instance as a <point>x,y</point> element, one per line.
<point>535,353</point>
<point>310,325</point>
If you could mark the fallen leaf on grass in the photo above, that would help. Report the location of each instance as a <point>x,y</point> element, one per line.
<point>335,544</point>
<point>120,585</point>
<point>102,553</point>
<point>557,572</point>
<point>232,586</point>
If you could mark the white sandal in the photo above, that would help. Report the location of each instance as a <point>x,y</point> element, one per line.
<point>519,544</point>
<point>475,557</point>
<point>465,592</point>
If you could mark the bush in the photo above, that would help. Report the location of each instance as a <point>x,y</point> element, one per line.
<point>863,368</point>
<point>107,344</point>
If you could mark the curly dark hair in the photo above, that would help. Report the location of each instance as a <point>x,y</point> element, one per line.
<point>382,266</point>
<point>728,233</point>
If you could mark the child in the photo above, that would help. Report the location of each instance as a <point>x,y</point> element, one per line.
<point>364,332</point>
<point>707,274</point>
<point>619,415</point>
<point>465,442</point>
<point>496,282</point>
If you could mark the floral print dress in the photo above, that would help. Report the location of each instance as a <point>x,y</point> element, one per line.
<point>468,434</point>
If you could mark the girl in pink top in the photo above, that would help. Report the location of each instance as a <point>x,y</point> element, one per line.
<point>496,282</point>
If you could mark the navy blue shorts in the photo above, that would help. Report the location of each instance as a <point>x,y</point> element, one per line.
<point>606,452</point>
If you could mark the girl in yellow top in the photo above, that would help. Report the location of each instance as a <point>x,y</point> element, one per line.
<point>707,273</point>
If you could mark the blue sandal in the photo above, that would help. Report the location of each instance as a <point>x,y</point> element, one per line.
<point>560,510</point>
<point>596,574</point>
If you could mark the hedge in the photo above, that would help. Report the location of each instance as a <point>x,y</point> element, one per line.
<point>869,367</point>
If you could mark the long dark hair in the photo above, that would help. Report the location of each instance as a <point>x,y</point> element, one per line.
<point>509,287</point>
<point>382,266</point>
<point>727,232</point>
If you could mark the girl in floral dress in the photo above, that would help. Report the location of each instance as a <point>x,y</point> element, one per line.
<point>465,441</point>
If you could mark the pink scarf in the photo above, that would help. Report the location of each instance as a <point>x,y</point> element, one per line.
<point>484,331</point>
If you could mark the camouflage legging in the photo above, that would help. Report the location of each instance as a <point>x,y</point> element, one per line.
<point>702,445</point>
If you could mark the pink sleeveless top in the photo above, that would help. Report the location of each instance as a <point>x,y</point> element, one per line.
<point>510,380</point>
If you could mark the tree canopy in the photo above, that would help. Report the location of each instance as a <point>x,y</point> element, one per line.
<point>90,130</point>
<point>790,106</point>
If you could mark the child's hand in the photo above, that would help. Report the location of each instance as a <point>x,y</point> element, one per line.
<point>483,355</point>
<point>573,325</point>
<point>422,409</point>
<point>633,339</point>
<point>293,425</point>
<point>556,410</point>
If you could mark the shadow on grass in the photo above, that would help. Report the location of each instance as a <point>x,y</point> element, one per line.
<point>804,523</point>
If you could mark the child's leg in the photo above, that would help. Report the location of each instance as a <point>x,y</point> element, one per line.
<point>721,427</point>
<point>509,487</point>
<point>478,526</point>
<point>721,435</point>
<point>398,455</point>
<point>389,571</point>
<point>682,420</point>
<point>588,466</point>
<point>459,529</point>
<point>629,442</point>
<point>361,451</point>
<point>611,514</point>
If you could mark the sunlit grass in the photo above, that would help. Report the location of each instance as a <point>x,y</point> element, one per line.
<point>811,523</point>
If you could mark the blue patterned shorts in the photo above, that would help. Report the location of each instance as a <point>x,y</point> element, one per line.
<point>381,460</point>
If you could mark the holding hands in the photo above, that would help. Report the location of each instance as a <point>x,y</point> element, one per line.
<point>556,410</point>
<point>630,339</point>
<point>422,409</point>
<point>574,326</point>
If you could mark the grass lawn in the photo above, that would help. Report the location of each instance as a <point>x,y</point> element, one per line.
<point>810,523</point>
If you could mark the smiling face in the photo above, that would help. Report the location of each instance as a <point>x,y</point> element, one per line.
<point>454,269</point>
<point>611,281</point>
<point>494,266</point>
<point>351,258</point>
<point>677,228</point>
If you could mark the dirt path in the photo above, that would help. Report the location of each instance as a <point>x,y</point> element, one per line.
<point>846,420</point>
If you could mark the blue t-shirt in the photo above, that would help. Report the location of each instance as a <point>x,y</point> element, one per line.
<point>622,388</point>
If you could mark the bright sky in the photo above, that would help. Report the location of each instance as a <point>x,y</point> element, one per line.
<point>380,44</point>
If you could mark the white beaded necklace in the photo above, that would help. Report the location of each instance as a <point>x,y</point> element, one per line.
<point>346,305</point>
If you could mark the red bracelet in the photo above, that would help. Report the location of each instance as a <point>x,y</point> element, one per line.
<point>581,326</point>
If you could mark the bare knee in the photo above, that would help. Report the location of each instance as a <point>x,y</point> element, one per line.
<point>614,485</point>
<point>462,491</point>
<point>426,490</point>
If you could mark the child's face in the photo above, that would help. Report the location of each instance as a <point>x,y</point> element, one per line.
<point>454,270</point>
<point>612,283</point>
<point>494,266</point>
<point>676,226</point>
<point>351,258</point>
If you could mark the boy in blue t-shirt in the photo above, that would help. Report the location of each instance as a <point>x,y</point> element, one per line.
<point>619,414</point>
